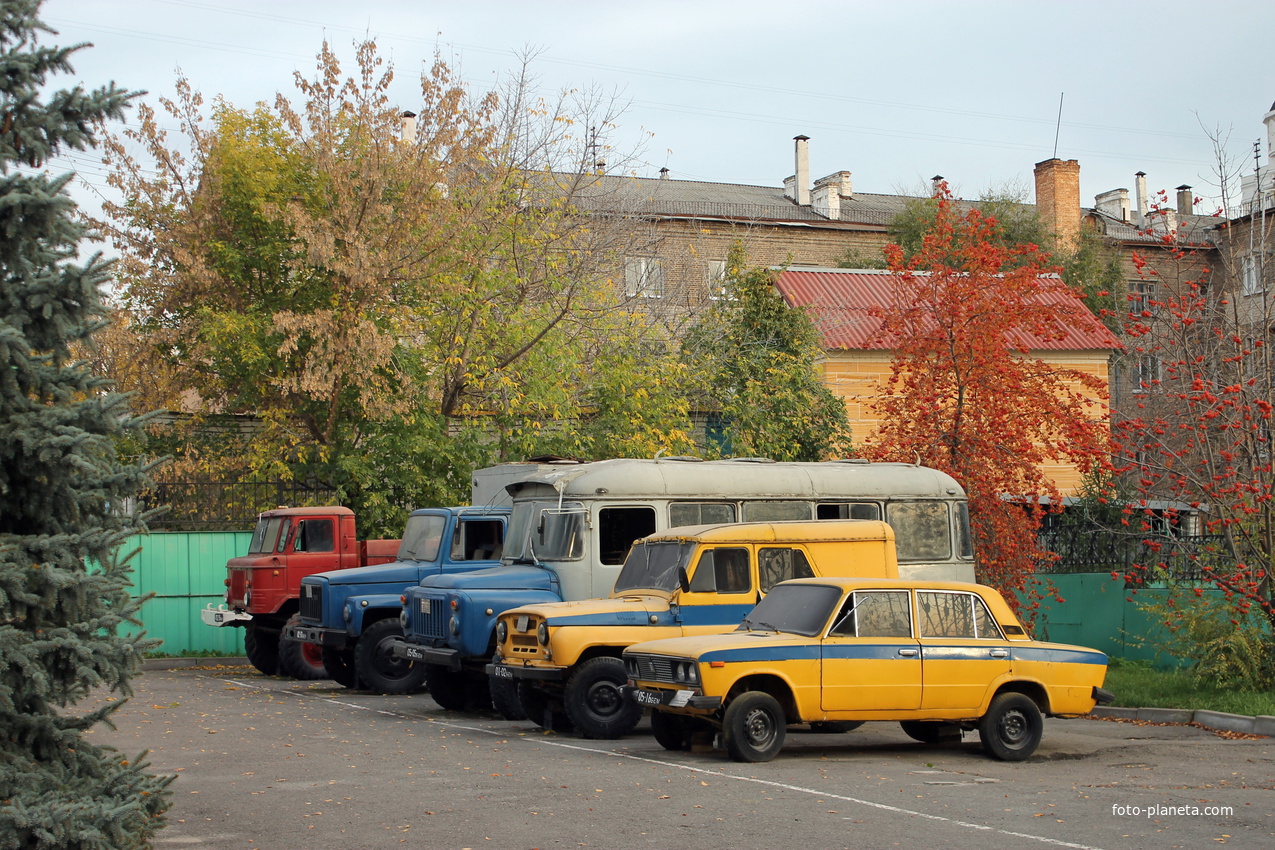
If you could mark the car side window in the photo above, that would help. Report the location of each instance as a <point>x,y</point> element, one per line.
<point>722,571</point>
<point>875,613</point>
<point>776,565</point>
<point>946,615</point>
<point>984,622</point>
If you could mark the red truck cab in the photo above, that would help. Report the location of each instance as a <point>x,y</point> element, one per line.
<point>263,587</point>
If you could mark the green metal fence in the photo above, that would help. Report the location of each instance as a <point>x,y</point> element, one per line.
<point>186,571</point>
<point>1101,612</point>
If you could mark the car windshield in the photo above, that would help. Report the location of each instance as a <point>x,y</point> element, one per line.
<point>653,566</point>
<point>421,537</point>
<point>802,609</point>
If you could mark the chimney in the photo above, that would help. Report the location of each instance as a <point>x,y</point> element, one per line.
<point>1140,189</point>
<point>936,185</point>
<point>828,192</point>
<point>1186,200</point>
<point>407,128</point>
<point>797,187</point>
<point>1058,197</point>
<point>1114,203</point>
<point>663,173</point>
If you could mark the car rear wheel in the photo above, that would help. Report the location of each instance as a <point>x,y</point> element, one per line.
<point>1011,728</point>
<point>594,702</point>
<point>754,727</point>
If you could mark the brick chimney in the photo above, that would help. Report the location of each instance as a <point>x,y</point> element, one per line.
<point>1058,198</point>
<point>826,198</point>
<point>1186,200</point>
<point>407,127</point>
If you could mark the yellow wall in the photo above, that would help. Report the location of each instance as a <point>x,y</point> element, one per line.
<point>857,377</point>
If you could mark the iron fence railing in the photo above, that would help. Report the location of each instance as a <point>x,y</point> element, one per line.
<point>1145,557</point>
<point>225,506</point>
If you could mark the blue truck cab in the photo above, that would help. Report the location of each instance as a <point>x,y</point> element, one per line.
<point>355,614</point>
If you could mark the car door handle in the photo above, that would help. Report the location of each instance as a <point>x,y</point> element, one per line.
<point>999,653</point>
<point>907,653</point>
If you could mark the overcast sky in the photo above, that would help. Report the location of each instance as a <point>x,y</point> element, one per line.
<point>894,92</point>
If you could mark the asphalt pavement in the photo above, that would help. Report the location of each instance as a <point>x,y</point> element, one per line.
<point>275,763</point>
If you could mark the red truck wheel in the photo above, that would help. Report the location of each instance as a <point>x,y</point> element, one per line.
<point>302,661</point>
<point>262,648</point>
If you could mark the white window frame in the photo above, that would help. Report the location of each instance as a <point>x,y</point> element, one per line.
<point>644,277</point>
<point>717,280</point>
<point>1251,281</point>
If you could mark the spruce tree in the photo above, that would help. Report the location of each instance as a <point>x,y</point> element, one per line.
<point>64,493</point>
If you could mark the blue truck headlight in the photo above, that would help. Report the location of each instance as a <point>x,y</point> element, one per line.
<point>454,625</point>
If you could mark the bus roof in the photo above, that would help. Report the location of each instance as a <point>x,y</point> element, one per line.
<point>755,478</point>
<point>795,531</point>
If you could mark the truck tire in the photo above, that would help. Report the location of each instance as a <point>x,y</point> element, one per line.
<point>303,661</point>
<point>540,709</point>
<point>594,702</point>
<point>262,648</point>
<point>457,690</point>
<point>340,666</point>
<point>376,665</point>
<point>504,697</point>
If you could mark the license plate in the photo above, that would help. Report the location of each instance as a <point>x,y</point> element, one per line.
<point>501,673</point>
<point>306,636</point>
<point>413,652</point>
<point>648,698</point>
<point>219,618</point>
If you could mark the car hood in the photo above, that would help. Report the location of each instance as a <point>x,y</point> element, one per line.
<point>594,610</point>
<point>701,645</point>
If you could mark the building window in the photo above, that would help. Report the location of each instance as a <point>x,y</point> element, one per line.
<point>1142,299</point>
<point>644,277</point>
<point>1251,274</point>
<point>1146,373</point>
<point>717,280</point>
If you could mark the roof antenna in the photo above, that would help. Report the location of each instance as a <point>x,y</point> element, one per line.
<point>1058,126</point>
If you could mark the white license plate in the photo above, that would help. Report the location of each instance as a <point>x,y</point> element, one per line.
<point>306,636</point>
<point>501,673</point>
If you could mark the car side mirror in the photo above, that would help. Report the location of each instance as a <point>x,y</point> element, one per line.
<point>683,580</point>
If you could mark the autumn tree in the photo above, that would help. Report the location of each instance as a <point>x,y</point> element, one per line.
<point>969,393</point>
<point>759,365</point>
<point>64,587</point>
<point>390,301</point>
<point>1194,430</point>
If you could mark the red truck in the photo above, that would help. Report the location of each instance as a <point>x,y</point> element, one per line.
<point>263,588</point>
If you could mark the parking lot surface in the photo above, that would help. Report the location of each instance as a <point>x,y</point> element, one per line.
<point>275,763</point>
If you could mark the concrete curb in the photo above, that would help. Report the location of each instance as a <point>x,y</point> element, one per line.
<point>1218,720</point>
<point>179,663</point>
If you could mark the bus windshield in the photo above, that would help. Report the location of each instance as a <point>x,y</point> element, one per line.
<point>653,566</point>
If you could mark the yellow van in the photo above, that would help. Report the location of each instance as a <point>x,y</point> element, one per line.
<point>565,659</point>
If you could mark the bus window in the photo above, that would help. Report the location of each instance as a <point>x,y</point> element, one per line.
<point>561,534</point>
<point>700,513</point>
<point>964,537</point>
<point>922,530</point>
<point>618,528</point>
<point>765,511</point>
<point>848,510</point>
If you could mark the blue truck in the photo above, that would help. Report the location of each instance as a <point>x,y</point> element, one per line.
<point>354,614</point>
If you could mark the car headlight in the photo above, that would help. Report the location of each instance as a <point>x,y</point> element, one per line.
<point>454,625</point>
<point>247,598</point>
<point>542,634</point>
<point>686,672</point>
<point>402,619</point>
<point>347,613</point>
<point>502,631</point>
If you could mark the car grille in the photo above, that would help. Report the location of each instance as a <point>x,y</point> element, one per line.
<point>650,668</point>
<point>312,602</point>
<point>428,617</point>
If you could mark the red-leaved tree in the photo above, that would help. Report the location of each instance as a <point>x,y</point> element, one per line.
<point>969,392</point>
<point>1196,429</point>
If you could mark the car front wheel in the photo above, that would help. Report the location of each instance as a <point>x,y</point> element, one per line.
<point>754,727</point>
<point>1011,728</point>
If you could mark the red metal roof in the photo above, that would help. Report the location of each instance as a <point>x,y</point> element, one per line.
<point>841,301</point>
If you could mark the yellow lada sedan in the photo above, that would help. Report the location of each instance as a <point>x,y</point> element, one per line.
<point>938,657</point>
